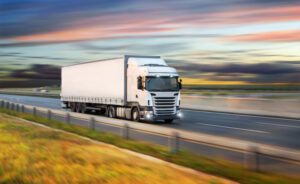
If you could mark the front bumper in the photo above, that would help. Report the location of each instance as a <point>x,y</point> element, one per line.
<point>165,117</point>
<point>148,115</point>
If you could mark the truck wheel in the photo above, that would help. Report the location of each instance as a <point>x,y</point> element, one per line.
<point>168,120</point>
<point>73,106</point>
<point>135,115</point>
<point>111,112</point>
<point>78,107</point>
<point>83,108</point>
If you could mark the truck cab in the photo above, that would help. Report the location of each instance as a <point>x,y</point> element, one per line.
<point>155,87</point>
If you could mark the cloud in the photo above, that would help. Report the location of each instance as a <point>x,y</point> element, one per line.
<point>45,22</point>
<point>276,72</point>
<point>146,37</point>
<point>10,54</point>
<point>135,47</point>
<point>275,36</point>
<point>257,68</point>
<point>19,55</point>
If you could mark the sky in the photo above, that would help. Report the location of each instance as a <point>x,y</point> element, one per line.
<point>226,42</point>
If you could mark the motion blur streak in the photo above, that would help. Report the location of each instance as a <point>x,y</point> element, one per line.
<point>188,33</point>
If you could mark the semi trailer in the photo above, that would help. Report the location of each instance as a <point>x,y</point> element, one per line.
<point>132,87</point>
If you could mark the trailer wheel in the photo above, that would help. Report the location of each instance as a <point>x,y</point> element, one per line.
<point>73,106</point>
<point>111,112</point>
<point>135,114</point>
<point>83,108</point>
<point>78,107</point>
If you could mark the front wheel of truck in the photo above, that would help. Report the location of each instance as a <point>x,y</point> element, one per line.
<point>135,114</point>
<point>111,112</point>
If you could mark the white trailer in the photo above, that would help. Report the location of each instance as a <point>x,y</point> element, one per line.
<point>133,87</point>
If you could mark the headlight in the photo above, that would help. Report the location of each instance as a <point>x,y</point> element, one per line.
<point>149,115</point>
<point>179,114</point>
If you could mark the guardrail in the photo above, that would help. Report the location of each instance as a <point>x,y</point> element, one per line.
<point>252,153</point>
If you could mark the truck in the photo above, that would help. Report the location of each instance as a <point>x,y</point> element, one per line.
<point>131,87</point>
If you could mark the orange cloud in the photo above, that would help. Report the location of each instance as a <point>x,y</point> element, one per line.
<point>275,36</point>
<point>89,29</point>
<point>261,14</point>
<point>86,34</point>
<point>242,15</point>
<point>126,24</point>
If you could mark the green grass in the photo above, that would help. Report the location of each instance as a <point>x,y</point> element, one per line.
<point>217,167</point>
<point>32,154</point>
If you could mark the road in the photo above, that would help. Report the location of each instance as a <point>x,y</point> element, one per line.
<point>268,130</point>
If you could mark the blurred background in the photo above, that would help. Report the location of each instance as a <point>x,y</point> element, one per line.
<point>218,47</point>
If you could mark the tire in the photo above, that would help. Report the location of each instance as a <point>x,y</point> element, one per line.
<point>78,107</point>
<point>135,114</point>
<point>73,106</point>
<point>169,120</point>
<point>83,108</point>
<point>111,112</point>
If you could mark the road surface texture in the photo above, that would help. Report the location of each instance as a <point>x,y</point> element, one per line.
<point>261,129</point>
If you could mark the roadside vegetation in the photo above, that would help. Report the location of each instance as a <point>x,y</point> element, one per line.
<point>33,154</point>
<point>216,167</point>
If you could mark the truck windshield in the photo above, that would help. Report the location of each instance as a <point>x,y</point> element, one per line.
<point>162,84</point>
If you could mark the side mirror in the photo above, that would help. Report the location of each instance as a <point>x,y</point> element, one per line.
<point>180,84</point>
<point>140,83</point>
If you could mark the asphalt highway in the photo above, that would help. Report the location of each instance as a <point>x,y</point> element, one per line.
<point>261,129</point>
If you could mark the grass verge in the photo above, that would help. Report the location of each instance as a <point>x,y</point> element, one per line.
<point>31,154</point>
<point>216,167</point>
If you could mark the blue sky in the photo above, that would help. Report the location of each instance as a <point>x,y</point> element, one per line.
<point>206,40</point>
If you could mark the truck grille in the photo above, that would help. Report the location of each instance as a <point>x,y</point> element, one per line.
<point>164,105</point>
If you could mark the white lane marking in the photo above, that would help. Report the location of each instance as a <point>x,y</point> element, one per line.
<point>234,128</point>
<point>281,125</point>
<point>237,114</point>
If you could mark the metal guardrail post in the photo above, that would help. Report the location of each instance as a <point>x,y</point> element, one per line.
<point>22,108</point>
<point>68,118</point>
<point>2,103</point>
<point>12,106</point>
<point>17,107</point>
<point>125,131</point>
<point>92,123</point>
<point>174,142</point>
<point>251,159</point>
<point>7,105</point>
<point>34,111</point>
<point>49,113</point>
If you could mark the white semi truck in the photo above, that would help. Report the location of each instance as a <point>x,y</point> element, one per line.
<point>133,87</point>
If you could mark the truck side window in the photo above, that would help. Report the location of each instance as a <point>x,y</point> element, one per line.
<point>140,83</point>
